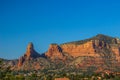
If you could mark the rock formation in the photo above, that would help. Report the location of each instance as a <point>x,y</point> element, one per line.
<point>30,54</point>
<point>54,52</point>
<point>74,50</point>
<point>83,48</point>
<point>100,52</point>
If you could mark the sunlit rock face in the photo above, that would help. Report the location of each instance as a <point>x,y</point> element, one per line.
<point>91,47</point>
<point>101,51</point>
<point>74,50</point>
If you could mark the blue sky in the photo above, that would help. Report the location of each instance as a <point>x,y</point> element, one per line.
<point>54,21</point>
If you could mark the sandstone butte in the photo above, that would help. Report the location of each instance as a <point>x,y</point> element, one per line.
<point>86,49</point>
<point>90,47</point>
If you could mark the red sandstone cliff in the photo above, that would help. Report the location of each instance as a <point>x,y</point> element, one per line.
<point>98,54</point>
<point>74,50</point>
<point>98,46</point>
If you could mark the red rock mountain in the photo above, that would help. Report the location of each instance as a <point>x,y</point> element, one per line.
<point>97,51</point>
<point>101,52</point>
<point>85,48</point>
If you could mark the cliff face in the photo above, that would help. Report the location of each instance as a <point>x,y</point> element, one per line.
<point>90,47</point>
<point>86,49</point>
<point>98,51</point>
<point>116,51</point>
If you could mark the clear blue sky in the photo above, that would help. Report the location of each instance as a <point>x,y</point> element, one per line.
<point>54,21</point>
